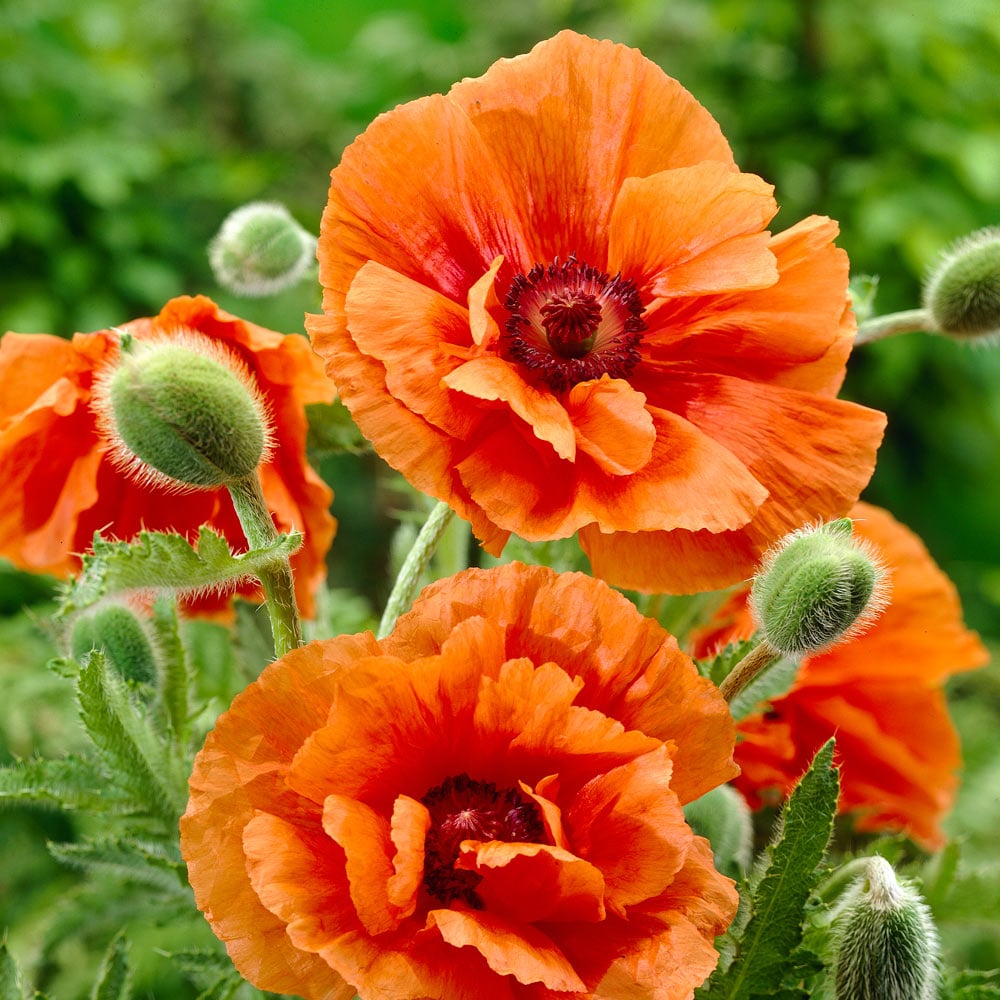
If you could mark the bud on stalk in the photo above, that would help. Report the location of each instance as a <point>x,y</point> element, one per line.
<point>887,945</point>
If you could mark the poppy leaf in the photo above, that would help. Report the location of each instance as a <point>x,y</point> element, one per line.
<point>159,560</point>
<point>113,977</point>
<point>129,749</point>
<point>786,874</point>
<point>126,859</point>
<point>174,677</point>
<point>70,783</point>
<point>10,979</point>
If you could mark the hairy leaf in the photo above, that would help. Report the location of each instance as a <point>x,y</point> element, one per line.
<point>10,979</point>
<point>158,560</point>
<point>131,751</point>
<point>129,860</point>
<point>113,977</point>
<point>67,783</point>
<point>779,889</point>
<point>174,677</point>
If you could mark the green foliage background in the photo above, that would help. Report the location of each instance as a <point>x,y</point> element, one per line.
<point>129,129</point>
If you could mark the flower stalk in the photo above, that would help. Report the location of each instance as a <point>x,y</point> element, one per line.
<point>751,666</point>
<point>414,565</point>
<point>882,327</point>
<point>276,579</point>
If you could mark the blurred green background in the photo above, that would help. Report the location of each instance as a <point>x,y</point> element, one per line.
<point>129,129</point>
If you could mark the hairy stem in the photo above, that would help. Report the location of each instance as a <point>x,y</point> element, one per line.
<point>414,565</point>
<point>276,578</point>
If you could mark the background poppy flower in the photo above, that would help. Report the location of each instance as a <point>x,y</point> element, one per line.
<point>58,485</point>
<point>551,300</point>
<point>881,694</point>
<point>487,803</point>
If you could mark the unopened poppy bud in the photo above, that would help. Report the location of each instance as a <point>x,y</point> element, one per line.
<point>963,292</point>
<point>260,250</point>
<point>887,945</point>
<point>817,586</point>
<point>182,412</point>
<point>119,633</point>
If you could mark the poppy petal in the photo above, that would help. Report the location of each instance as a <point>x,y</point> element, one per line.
<point>693,230</point>
<point>509,949</point>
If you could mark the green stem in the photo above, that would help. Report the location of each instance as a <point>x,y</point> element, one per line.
<point>276,578</point>
<point>759,658</point>
<point>910,321</point>
<point>414,565</point>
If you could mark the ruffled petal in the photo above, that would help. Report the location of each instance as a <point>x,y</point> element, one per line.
<point>510,949</point>
<point>693,231</point>
<point>535,883</point>
<point>363,835</point>
<point>628,823</point>
<point>567,123</point>
<point>612,425</point>
<point>490,378</point>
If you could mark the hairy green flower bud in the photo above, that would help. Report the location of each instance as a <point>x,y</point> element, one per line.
<point>183,412</point>
<point>887,945</point>
<point>119,633</point>
<point>963,292</point>
<point>815,588</point>
<point>260,250</point>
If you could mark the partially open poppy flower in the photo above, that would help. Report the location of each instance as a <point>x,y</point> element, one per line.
<point>551,300</point>
<point>485,804</point>
<point>58,484</point>
<point>880,694</point>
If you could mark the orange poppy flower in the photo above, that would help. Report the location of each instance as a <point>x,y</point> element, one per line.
<point>879,693</point>
<point>551,300</point>
<point>487,803</point>
<point>59,485</point>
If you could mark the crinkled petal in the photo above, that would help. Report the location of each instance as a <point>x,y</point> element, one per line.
<point>567,123</point>
<point>694,231</point>
<point>510,949</point>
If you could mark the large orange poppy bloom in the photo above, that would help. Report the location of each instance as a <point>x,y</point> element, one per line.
<point>487,803</point>
<point>551,300</point>
<point>880,694</point>
<point>58,485</point>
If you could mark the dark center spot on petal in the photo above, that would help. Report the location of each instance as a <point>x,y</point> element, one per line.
<point>570,323</point>
<point>463,808</point>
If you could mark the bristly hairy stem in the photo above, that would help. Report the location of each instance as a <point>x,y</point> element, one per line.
<point>759,658</point>
<point>276,578</point>
<point>910,321</point>
<point>414,565</point>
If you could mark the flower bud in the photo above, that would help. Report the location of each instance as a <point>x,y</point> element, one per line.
<point>260,250</point>
<point>963,292</point>
<point>182,412</point>
<point>815,588</point>
<point>118,632</point>
<point>887,945</point>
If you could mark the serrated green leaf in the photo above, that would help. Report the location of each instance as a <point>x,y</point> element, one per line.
<point>173,677</point>
<point>156,561</point>
<point>67,783</point>
<point>127,859</point>
<point>332,431</point>
<point>113,977</point>
<point>131,751</point>
<point>10,979</point>
<point>786,875</point>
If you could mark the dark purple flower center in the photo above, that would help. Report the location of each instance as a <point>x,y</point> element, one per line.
<point>570,322</point>
<point>462,808</point>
